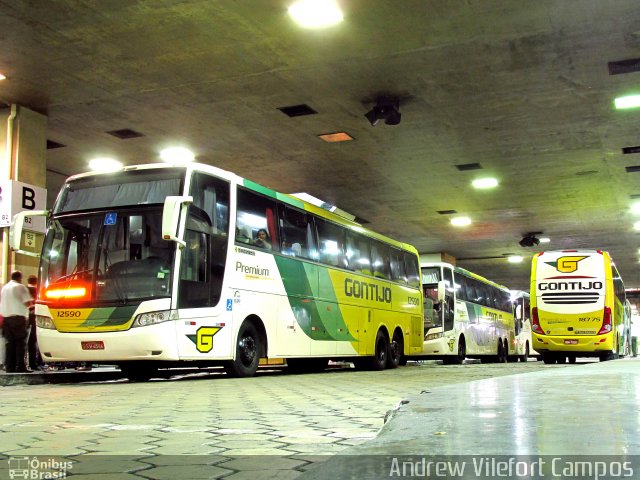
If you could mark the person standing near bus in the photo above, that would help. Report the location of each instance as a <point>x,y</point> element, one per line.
<point>14,307</point>
<point>35,362</point>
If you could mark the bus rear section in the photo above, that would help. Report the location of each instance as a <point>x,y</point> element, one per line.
<point>577,305</point>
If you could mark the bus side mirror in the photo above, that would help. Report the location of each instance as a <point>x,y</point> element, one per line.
<point>17,228</point>
<point>441,290</point>
<point>171,217</point>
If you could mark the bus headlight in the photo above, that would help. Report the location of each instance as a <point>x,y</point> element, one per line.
<point>433,336</point>
<point>44,322</point>
<point>153,318</point>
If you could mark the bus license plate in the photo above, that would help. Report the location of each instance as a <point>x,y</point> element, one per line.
<point>98,345</point>
<point>571,342</point>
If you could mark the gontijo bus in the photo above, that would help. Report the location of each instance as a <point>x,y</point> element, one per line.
<point>577,306</point>
<point>155,265</point>
<point>472,317</point>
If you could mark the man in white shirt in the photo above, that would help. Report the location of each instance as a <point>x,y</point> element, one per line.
<point>14,307</point>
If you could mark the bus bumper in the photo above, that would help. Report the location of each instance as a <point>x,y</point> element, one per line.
<point>576,344</point>
<point>152,342</point>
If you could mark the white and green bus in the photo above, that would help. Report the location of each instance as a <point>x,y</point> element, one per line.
<point>466,316</point>
<point>157,266</point>
<point>522,325</point>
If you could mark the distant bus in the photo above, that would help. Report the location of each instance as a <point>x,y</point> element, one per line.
<point>466,316</point>
<point>159,266</point>
<point>523,344</point>
<point>578,306</point>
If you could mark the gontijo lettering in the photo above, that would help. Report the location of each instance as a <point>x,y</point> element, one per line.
<point>570,286</point>
<point>366,291</point>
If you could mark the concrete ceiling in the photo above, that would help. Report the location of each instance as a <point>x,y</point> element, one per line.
<point>520,87</point>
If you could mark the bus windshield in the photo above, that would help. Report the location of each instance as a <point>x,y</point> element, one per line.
<point>430,278</point>
<point>110,257</point>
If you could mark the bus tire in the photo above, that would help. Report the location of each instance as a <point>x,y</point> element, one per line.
<point>381,353</point>
<point>548,359</point>
<point>462,352</point>
<point>607,356</point>
<point>396,350</point>
<point>572,359</point>
<point>525,357</point>
<point>247,354</point>
<point>502,352</point>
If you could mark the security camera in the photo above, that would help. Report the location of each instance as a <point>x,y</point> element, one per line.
<point>529,240</point>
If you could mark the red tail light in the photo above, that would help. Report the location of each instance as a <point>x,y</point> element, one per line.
<point>606,322</point>
<point>535,321</point>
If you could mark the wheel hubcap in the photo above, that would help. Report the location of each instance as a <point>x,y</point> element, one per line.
<point>248,350</point>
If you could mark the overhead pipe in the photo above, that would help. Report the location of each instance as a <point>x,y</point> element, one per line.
<point>9,175</point>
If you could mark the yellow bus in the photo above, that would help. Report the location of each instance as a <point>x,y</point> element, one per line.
<point>158,266</point>
<point>466,316</point>
<point>577,306</point>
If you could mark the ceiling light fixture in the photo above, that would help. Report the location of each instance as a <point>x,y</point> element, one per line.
<point>387,109</point>
<point>630,101</point>
<point>544,239</point>
<point>514,259</point>
<point>2,77</point>
<point>636,226</point>
<point>178,155</point>
<point>530,240</point>
<point>635,207</point>
<point>104,164</point>
<point>336,137</point>
<point>316,13</point>
<point>484,183</point>
<point>460,221</point>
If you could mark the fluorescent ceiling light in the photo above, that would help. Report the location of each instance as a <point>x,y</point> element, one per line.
<point>316,13</point>
<point>336,137</point>
<point>544,239</point>
<point>630,101</point>
<point>461,221</point>
<point>482,183</point>
<point>636,226</point>
<point>104,164</point>
<point>635,207</point>
<point>2,77</point>
<point>179,155</point>
<point>514,259</point>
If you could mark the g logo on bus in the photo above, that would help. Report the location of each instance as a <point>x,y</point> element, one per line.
<point>566,264</point>
<point>204,338</point>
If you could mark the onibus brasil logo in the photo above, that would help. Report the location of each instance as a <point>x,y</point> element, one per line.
<point>38,468</point>
<point>566,264</point>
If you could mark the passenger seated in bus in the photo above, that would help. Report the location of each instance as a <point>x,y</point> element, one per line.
<point>262,239</point>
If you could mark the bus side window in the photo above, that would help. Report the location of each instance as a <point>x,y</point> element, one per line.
<point>255,213</point>
<point>380,260</point>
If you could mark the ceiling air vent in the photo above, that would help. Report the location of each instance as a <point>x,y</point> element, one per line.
<point>297,110</point>
<point>624,66</point>
<point>468,166</point>
<point>634,168</point>
<point>629,150</point>
<point>125,134</point>
<point>51,144</point>
<point>447,212</point>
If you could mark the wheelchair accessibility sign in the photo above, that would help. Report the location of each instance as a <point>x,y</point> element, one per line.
<point>110,218</point>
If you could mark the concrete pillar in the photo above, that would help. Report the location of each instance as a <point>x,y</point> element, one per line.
<point>23,145</point>
<point>437,257</point>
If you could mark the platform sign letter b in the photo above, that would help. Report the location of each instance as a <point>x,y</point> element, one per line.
<point>28,198</point>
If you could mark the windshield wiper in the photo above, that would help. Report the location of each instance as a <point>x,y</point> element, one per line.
<point>74,274</point>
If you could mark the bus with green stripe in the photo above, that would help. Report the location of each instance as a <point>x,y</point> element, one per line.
<point>466,316</point>
<point>158,266</point>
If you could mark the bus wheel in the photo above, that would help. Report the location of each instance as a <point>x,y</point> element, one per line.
<point>572,359</point>
<point>248,353</point>
<point>396,350</point>
<point>607,356</point>
<point>548,359</point>
<point>138,373</point>
<point>379,360</point>
<point>462,352</point>
<point>525,357</point>
<point>561,359</point>
<point>502,352</point>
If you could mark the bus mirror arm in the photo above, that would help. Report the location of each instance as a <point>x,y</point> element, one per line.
<point>17,228</point>
<point>171,214</point>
